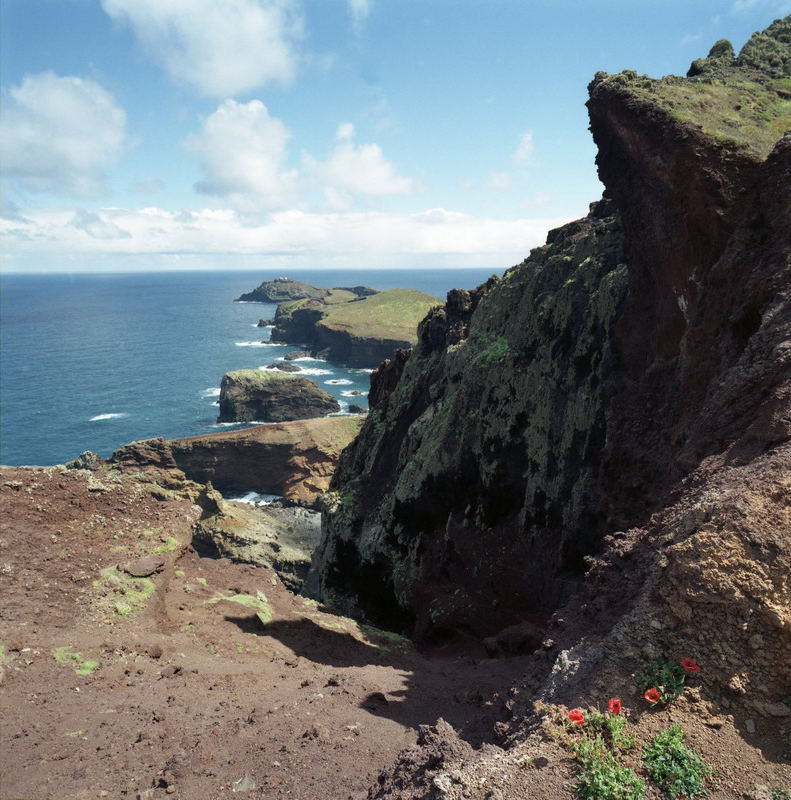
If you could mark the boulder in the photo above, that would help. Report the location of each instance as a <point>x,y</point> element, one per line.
<point>284,366</point>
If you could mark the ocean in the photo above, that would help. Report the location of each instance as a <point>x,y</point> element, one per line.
<point>92,361</point>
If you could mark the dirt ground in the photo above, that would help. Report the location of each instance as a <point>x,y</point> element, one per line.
<point>208,677</point>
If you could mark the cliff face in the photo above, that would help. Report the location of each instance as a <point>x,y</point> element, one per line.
<point>570,398</point>
<point>293,459</point>
<point>480,452</point>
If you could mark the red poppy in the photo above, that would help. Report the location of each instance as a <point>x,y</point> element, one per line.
<point>576,716</point>
<point>652,695</point>
<point>614,706</point>
<point>689,664</point>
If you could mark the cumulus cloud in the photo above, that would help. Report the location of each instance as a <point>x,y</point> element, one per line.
<point>59,134</point>
<point>221,47</point>
<point>243,152</point>
<point>355,171</point>
<point>377,238</point>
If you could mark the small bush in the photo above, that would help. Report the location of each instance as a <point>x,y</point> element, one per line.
<point>603,777</point>
<point>674,767</point>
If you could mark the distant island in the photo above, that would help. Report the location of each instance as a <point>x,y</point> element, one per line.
<point>357,326</point>
<point>281,290</point>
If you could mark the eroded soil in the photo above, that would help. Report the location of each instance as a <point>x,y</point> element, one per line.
<point>210,677</point>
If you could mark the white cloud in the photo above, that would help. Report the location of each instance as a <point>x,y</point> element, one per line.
<point>369,238</point>
<point>359,9</point>
<point>525,148</point>
<point>354,171</point>
<point>59,134</point>
<point>243,152</point>
<point>221,47</point>
<point>345,131</point>
<point>99,227</point>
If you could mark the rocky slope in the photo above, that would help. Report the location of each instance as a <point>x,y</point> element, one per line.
<point>291,459</point>
<point>253,395</point>
<point>347,328</point>
<point>629,382</point>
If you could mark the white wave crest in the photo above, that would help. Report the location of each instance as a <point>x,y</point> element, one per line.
<point>314,371</point>
<point>212,391</point>
<point>256,498</point>
<point>99,417</point>
<point>257,344</point>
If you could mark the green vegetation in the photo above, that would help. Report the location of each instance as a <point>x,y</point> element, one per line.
<point>82,666</point>
<point>603,776</point>
<point>168,547</point>
<point>490,350</point>
<point>393,314</point>
<point>674,767</point>
<point>780,794</point>
<point>667,677</point>
<point>257,603</point>
<point>386,640</point>
<point>743,103</point>
<point>129,593</point>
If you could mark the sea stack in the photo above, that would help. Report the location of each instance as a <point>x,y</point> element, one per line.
<point>253,395</point>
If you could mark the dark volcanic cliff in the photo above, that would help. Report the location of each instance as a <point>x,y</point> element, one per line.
<point>569,398</point>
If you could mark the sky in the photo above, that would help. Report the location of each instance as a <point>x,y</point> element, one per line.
<point>279,134</point>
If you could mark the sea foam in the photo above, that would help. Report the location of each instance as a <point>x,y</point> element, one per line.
<point>99,417</point>
<point>338,382</point>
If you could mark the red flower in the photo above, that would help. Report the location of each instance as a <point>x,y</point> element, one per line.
<point>576,717</point>
<point>652,695</point>
<point>614,706</point>
<point>689,664</point>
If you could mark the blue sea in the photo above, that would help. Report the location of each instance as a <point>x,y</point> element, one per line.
<point>92,361</point>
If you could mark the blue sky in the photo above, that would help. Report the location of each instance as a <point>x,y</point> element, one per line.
<point>192,134</point>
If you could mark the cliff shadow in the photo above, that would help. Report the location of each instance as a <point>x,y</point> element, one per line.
<point>471,694</point>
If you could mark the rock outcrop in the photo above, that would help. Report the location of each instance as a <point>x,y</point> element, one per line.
<point>279,538</point>
<point>253,395</point>
<point>607,425</point>
<point>292,459</point>
<point>359,331</point>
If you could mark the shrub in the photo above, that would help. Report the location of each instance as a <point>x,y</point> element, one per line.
<point>674,767</point>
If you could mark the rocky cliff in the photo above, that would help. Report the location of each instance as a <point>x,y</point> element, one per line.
<point>621,371</point>
<point>294,459</point>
